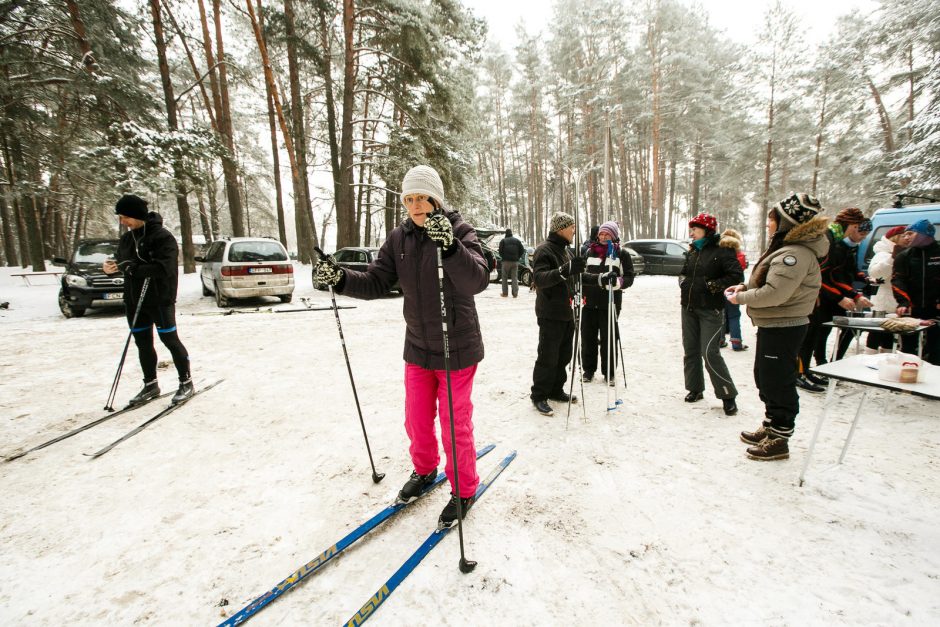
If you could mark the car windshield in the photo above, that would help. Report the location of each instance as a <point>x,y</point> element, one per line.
<point>95,252</point>
<point>256,251</point>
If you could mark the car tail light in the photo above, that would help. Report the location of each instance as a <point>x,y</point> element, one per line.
<point>285,268</point>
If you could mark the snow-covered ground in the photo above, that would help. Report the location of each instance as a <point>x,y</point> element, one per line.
<point>648,515</point>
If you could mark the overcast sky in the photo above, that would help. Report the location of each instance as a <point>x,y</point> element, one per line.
<point>740,19</point>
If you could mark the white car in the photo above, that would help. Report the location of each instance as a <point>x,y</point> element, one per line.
<point>246,267</point>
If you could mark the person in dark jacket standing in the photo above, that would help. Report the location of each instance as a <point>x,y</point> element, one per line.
<point>609,270</point>
<point>837,293</point>
<point>511,251</point>
<point>916,283</point>
<point>554,271</point>
<point>409,256</point>
<point>709,269</point>
<point>149,251</point>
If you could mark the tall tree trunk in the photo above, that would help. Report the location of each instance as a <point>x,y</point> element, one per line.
<point>654,43</point>
<point>819,135</point>
<point>345,211</point>
<point>31,235</point>
<point>219,83</point>
<point>179,172</point>
<point>768,157</point>
<point>326,73</point>
<point>9,242</point>
<point>310,234</point>
<point>886,131</point>
<point>303,217</point>
<point>696,178</point>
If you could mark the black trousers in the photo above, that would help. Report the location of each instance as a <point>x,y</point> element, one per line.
<point>775,372</point>
<point>594,340</point>
<point>164,318</point>
<point>549,374</point>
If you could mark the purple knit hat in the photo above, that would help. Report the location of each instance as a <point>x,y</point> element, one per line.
<point>612,229</point>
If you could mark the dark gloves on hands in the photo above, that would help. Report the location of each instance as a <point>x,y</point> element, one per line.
<point>573,267</point>
<point>609,278</point>
<point>439,229</point>
<point>327,272</point>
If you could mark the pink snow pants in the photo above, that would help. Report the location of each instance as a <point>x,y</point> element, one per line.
<point>425,397</point>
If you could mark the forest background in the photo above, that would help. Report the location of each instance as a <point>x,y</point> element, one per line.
<point>297,119</point>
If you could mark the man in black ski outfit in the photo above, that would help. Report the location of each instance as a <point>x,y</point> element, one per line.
<point>554,270</point>
<point>149,251</point>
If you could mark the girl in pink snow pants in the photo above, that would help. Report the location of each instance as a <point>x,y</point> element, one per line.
<point>409,256</point>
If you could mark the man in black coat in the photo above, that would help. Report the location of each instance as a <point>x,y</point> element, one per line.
<point>916,285</point>
<point>149,251</point>
<point>511,251</point>
<point>554,271</point>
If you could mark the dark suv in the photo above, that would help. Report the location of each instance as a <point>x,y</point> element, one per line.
<point>84,284</point>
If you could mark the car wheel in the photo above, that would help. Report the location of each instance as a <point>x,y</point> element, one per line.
<point>67,309</point>
<point>205,290</point>
<point>220,300</point>
<point>525,276</point>
<point>286,298</point>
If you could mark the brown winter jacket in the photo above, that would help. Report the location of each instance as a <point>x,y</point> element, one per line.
<point>410,257</point>
<point>784,285</point>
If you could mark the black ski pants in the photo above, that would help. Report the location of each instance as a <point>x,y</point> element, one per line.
<point>775,372</point>
<point>549,374</point>
<point>164,318</point>
<point>594,339</point>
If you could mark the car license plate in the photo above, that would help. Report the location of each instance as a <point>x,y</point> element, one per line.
<point>113,296</point>
<point>259,270</point>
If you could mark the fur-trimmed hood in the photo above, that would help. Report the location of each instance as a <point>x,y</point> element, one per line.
<point>811,234</point>
<point>730,239</point>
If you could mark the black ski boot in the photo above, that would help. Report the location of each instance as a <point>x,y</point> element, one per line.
<point>149,392</point>
<point>448,517</point>
<point>186,391</point>
<point>416,485</point>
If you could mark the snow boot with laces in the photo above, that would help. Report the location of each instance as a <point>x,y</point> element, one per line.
<point>416,485</point>
<point>149,392</point>
<point>772,447</point>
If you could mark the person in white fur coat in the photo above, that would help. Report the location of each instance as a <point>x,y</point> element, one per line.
<point>880,269</point>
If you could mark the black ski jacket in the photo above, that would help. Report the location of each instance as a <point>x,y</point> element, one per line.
<point>511,249</point>
<point>916,280</point>
<point>707,273</point>
<point>595,296</point>
<point>553,289</point>
<point>149,252</point>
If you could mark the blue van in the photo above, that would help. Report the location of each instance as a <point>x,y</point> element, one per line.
<point>885,219</point>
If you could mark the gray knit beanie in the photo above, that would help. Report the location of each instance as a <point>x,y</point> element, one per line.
<point>560,221</point>
<point>423,179</point>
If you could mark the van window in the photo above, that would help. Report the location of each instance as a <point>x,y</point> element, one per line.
<point>256,251</point>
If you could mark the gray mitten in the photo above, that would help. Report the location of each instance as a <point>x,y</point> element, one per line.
<point>439,229</point>
<point>327,272</point>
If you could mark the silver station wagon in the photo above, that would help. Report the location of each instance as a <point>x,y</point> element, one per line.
<point>246,267</point>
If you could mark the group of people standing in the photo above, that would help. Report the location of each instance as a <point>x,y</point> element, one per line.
<point>436,258</point>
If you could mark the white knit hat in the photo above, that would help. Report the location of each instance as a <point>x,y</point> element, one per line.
<point>423,179</point>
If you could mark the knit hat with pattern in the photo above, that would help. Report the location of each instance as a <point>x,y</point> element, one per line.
<point>560,221</point>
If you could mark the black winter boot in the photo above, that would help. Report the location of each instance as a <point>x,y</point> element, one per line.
<point>448,517</point>
<point>731,408</point>
<point>184,392</point>
<point>563,397</point>
<point>416,485</point>
<point>149,392</point>
<point>543,408</point>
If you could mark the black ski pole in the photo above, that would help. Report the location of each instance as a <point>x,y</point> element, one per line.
<point>376,477</point>
<point>117,375</point>
<point>466,565</point>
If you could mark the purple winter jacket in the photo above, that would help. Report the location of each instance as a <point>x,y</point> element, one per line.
<point>411,257</point>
